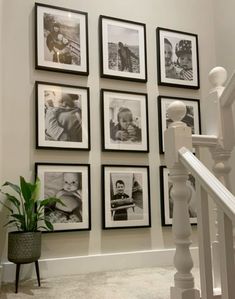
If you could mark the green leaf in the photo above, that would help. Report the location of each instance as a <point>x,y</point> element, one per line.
<point>49,224</point>
<point>50,201</point>
<point>26,189</point>
<point>12,199</point>
<point>36,191</point>
<point>13,186</point>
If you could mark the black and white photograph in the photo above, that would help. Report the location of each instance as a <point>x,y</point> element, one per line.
<point>71,184</point>
<point>61,39</point>
<point>62,116</point>
<point>177,54</point>
<point>126,196</point>
<point>167,203</point>
<point>192,118</point>
<point>125,121</point>
<point>123,49</point>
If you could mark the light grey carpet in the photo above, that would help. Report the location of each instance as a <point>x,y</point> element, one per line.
<point>145,283</point>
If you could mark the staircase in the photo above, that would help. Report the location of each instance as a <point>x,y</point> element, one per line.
<point>217,271</point>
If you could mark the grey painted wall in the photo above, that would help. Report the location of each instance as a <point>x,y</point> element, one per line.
<point>19,153</point>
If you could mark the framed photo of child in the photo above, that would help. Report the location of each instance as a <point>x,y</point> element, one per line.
<point>62,116</point>
<point>122,49</point>
<point>125,121</point>
<point>71,184</point>
<point>178,60</point>
<point>61,39</point>
<point>192,118</point>
<point>126,196</point>
<point>167,203</point>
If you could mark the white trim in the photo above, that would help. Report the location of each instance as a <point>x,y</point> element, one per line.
<point>95,263</point>
<point>1,271</point>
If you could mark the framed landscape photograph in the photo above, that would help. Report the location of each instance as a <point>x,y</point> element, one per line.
<point>126,196</point>
<point>123,49</point>
<point>125,121</point>
<point>61,39</point>
<point>62,116</point>
<point>167,203</point>
<point>192,118</point>
<point>71,184</point>
<point>177,55</point>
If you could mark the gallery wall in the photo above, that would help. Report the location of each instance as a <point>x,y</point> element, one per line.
<point>18,149</point>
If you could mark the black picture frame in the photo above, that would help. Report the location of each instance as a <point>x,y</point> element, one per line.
<point>66,126</point>
<point>135,211</point>
<point>70,183</point>
<point>119,36</point>
<point>192,117</point>
<point>132,135</point>
<point>177,58</point>
<point>61,39</point>
<point>167,204</point>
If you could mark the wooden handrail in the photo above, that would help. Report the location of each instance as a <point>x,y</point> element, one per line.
<point>221,195</point>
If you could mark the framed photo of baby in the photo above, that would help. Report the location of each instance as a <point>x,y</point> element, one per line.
<point>62,116</point>
<point>167,203</point>
<point>177,55</point>
<point>61,39</point>
<point>123,49</point>
<point>125,121</point>
<point>126,196</point>
<point>71,184</point>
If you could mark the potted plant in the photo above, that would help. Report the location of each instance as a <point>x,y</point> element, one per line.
<point>26,214</point>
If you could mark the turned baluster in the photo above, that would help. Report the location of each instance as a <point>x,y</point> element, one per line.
<point>176,136</point>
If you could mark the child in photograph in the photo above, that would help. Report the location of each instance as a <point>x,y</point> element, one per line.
<point>70,195</point>
<point>52,40</point>
<point>125,129</point>
<point>120,202</point>
<point>126,55</point>
<point>183,50</point>
<point>63,120</point>
<point>170,68</point>
<point>62,50</point>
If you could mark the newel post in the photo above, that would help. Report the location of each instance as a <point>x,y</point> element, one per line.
<point>220,155</point>
<point>177,136</point>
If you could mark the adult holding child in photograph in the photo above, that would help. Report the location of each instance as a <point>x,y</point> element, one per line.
<point>61,39</point>
<point>177,55</point>
<point>62,116</point>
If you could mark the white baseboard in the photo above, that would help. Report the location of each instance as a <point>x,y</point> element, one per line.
<point>95,263</point>
<point>1,270</point>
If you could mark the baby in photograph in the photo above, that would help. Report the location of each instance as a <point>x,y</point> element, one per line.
<point>70,195</point>
<point>63,119</point>
<point>183,50</point>
<point>126,129</point>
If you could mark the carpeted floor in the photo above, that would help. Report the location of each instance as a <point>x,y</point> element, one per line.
<point>145,283</point>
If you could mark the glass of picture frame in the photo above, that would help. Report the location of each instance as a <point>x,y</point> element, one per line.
<point>123,49</point>
<point>178,59</point>
<point>71,184</point>
<point>62,116</point>
<point>125,121</point>
<point>192,118</point>
<point>61,39</point>
<point>126,196</point>
<point>167,203</point>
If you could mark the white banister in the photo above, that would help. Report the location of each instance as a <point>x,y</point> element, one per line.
<point>177,135</point>
<point>205,140</point>
<point>180,161</point>
<point>221,195</point>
